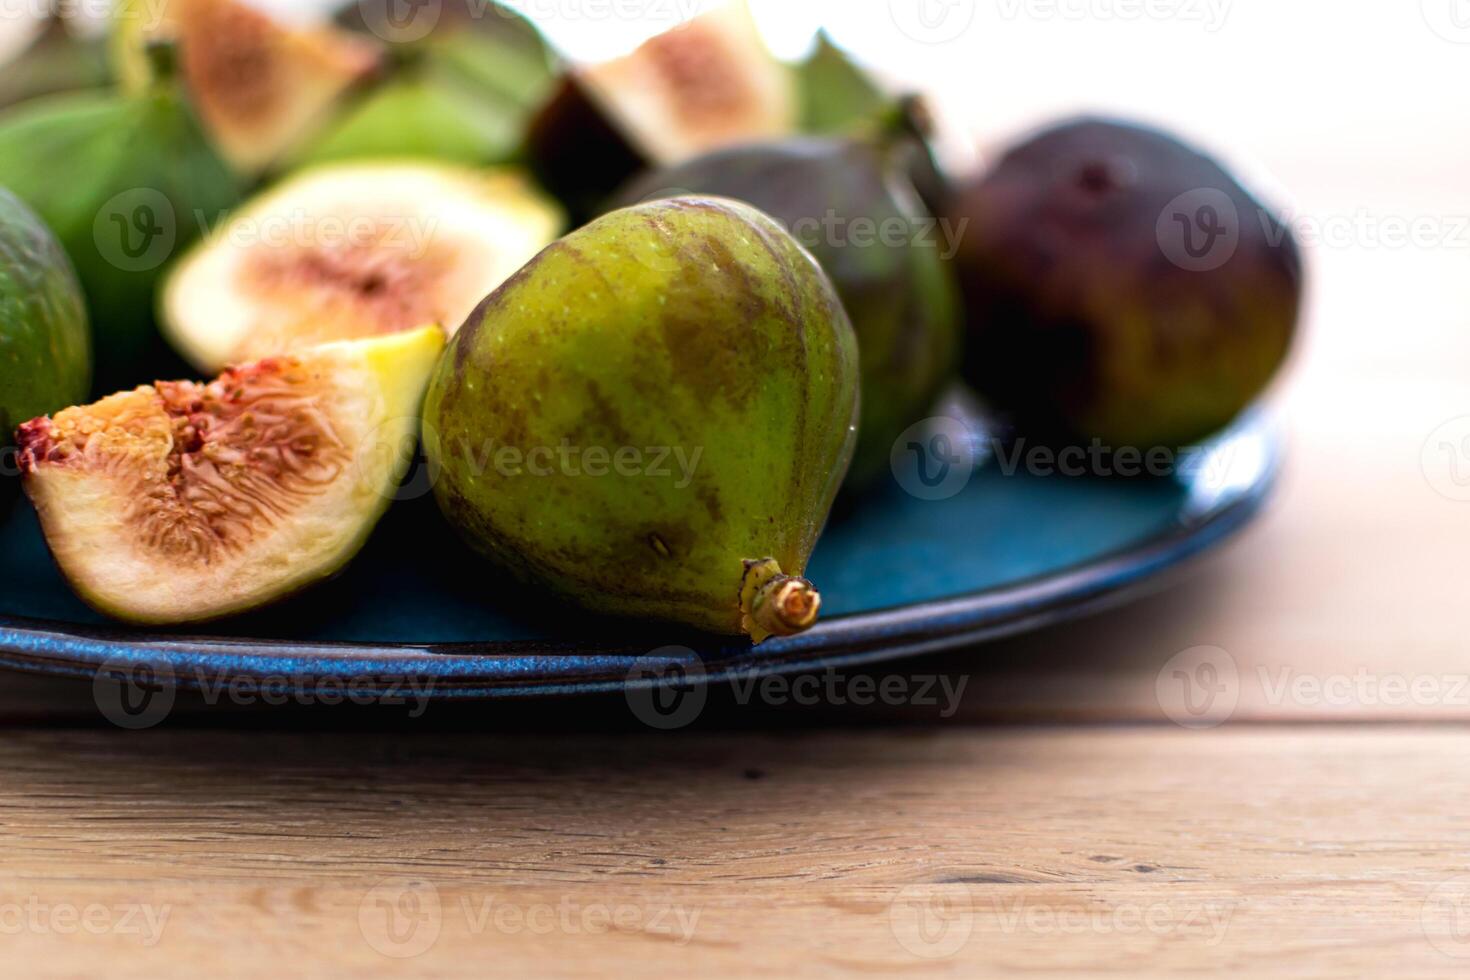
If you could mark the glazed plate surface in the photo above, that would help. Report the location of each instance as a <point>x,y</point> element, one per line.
<point>899,575</point>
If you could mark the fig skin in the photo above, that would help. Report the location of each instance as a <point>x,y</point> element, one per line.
<point>901,296</point>
<point>700,341</point>
<point>45,343</point>
<point>463,92</point>
<point>1082,326</point>
<point>122,181</point>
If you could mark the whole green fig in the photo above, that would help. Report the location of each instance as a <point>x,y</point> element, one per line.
<point>652,418</point>
<point>1122,287</point>
<point>125,182</point>
<point>851,202</point>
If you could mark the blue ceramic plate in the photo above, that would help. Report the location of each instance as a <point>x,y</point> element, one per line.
<point>899,576</point>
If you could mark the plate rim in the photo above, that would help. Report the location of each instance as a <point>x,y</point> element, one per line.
<point>457,670</point>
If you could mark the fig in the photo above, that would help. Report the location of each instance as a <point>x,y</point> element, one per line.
<point>1122,286</point>
<point>179,502</point>
<point>461,92</point>
<point>348,251</point>
<point>261,88</point>
<point>708,83</point>
<point>850,201</point>
<point>123,181</point>
<point>45,347</point>
<point>57,60</point>
<point>652,418</point>
<point>835,94</point>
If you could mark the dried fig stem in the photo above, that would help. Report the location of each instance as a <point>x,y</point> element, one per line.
<point>776,604</point>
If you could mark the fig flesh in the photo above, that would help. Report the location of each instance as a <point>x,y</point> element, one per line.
<point>1123,287</point>
<point>836,195</point>
<point>262,88</point>
<point>652,418</point>
<point>180,502</point>
<point>350,251</point>
<point>706,84</point>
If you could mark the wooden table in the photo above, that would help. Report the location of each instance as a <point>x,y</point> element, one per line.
<point>1059,822</point>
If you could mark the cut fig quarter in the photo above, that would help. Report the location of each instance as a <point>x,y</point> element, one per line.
<point>706,84</point>
<point>349,251</point>
<point>180,502</point>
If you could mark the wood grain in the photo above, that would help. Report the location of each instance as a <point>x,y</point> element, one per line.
<point>1256,851</point>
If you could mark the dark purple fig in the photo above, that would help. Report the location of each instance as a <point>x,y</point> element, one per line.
<point>1123,287</point>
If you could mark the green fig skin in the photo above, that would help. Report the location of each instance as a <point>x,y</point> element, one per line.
<point>899,293</point>
<point>45,345</point>
<point>702,342</point>
<point>94,166</point>
<point>1082,326</point>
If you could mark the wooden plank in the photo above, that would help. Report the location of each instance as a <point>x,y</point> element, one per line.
<point>970,852</point>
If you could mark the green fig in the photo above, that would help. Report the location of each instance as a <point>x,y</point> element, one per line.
<point>124,182</point>
<point>465,82</point>
<point>1122,287</point>
<point>652,418</point>
<point>45,347</point>
<point>835,94</point>
<point>850,201</point>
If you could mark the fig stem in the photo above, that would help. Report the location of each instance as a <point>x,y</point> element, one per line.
<point>775,604</point>
<point>163,60</point>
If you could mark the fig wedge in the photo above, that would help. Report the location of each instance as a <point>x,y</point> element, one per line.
<point>180,502</point>
<point>260,86</point>
<point>350,251</point>
<point>706,84</point>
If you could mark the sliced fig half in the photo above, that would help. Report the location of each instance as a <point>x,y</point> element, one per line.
<point>706,84</point>
<point>261,87</point>
<point>179,502</point>
<point>352,250</point>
